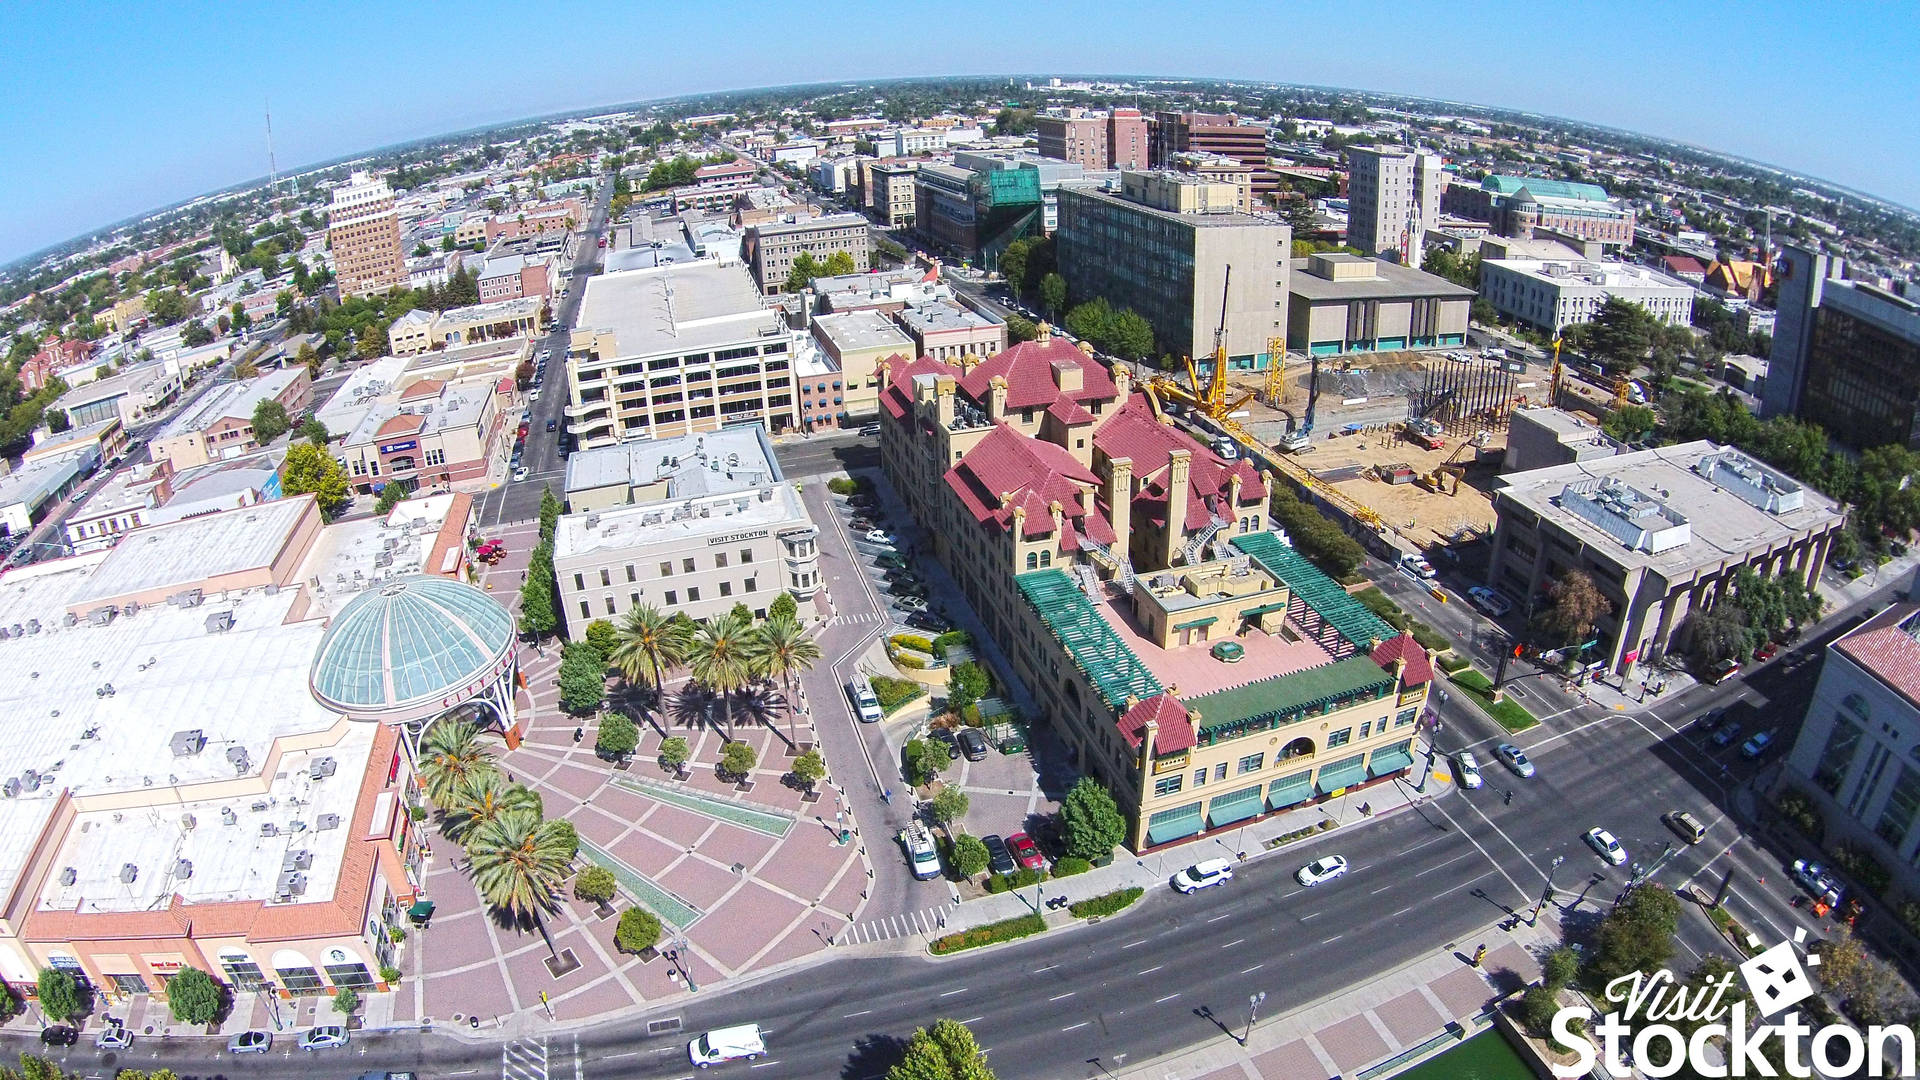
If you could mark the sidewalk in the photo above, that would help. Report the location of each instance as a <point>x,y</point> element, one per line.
<point>1387,1023</point>
<point>1247,842</point>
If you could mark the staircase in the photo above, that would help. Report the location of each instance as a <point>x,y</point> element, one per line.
<point>1089,581</point>
<point>1202,538</point>
<point>1122,568</point>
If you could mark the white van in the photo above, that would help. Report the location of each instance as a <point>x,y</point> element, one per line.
<point>865,705</point>
<point>727,1044</point>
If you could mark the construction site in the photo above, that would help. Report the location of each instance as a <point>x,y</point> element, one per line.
<point>1405,445</point>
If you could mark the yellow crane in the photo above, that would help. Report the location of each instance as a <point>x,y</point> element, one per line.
<point>1208,399</point>
<point>1559,376</point>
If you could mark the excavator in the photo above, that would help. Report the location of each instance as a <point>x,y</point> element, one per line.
<point>1436,481</point>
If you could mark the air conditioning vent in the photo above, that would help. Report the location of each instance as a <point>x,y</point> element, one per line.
<point>69,876</point>
<point>187,743</point>
<point>322,768</point>
<point>228,817</point>
<point>129,873</point>
<point>183,869</point>
<point>268,828</point>
<point>187,822</point>
<point>296,860</point>
<point>326,821</point>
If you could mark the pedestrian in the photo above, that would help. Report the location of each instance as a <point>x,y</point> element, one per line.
<point>886,796</point>
<point>1509,796</point>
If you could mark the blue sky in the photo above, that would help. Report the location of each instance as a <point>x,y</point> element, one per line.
<point>110,110</point>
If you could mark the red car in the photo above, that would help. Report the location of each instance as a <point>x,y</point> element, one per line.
<point>1767,651</point>
<point>1026,852</point>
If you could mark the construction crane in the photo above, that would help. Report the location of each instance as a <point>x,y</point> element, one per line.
<point>1559,376</point>
<point>1208,399</point>
<point>1276,388</point>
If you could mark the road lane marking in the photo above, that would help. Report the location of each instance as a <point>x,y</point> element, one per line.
<point>973,1019</point>
<point>1142,941</point>
<point>1150,970</point>
<point>1164,1000</point>
<point>1049,967</point>
<point>1217,918</point>
<point>1333,939</point>
<point>1062,997</point>
<point>602,1057</point>
<point>950,993</point>
<point>1313,915</point>
<point>1510,842</point>
<point>1077,1026</point>
<point>764,1064</point>
<point>862,1012</point>
<point>1380,890</point>
<point>1235,941</point>
<point>1444,865</point>
<point>1401,912</point>
<point>1523,893</point>
<point>1251,970</point>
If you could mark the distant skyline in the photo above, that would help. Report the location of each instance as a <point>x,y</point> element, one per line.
<point>114,111</point>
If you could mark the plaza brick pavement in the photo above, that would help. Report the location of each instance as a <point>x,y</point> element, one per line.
<point>763,900</point>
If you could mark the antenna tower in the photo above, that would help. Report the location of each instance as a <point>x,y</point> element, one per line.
<point>273,167</point>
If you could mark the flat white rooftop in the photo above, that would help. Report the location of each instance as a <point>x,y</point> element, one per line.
<point>680,308</point>
<point>730,459</point>
<point>185,552</point>
<point>674,524</point>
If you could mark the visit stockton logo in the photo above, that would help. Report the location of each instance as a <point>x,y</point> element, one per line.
<point>1776,979</point>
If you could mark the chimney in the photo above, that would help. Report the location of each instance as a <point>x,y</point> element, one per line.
<point>1019,528</point>
<point>1059,518</point>
<point>943,399</point>
<point>1120,504</point>
<point>1123,381</point>
<point>1182,461</point>
<point>997,398</point>
<point>1233,500</point>
<point>1068,377</point>
<point>1149,736</point>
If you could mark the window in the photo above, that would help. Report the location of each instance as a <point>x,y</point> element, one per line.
<point>673,598</point>
<point>1220,771</point>
<point>630,577</point>
<point>1033,560</point>
<point>579,581</point>
<point>243,973</point>
<point>666,569</point>
<point>693,596</point>
<point>353,975</point>
<point>606,577</point>
<point>686,566</point>
<point>1366,729</point>
<point>726,588</point>
<point>720,561</point>
<point>302,980</point>
<point>1251,763</point>
<point>633,598</point>
<point>1406,716</point>
<point>1339,738</point>
<point>1167,785</point>
<point>609,604</point>
<point>1199,777</point>
<point>753,585</point>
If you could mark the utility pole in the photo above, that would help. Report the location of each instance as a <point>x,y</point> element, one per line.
<point>1546,894</point>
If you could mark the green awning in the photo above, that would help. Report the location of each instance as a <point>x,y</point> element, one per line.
<point>1175,824</point>
<point>1290,789</point>
<point>1264,609</point>
<point>1350,617</point>
<point>1235,806</point>
<point>1343,773</point>
<point>1391,759</point>
<point>1208,621</point>
<point>421,909</point>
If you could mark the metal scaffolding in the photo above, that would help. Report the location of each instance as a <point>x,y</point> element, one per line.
<point>1464,399</point>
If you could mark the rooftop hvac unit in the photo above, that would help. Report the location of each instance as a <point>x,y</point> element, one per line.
<point>68,875</point>
<point>228,817</point>
<point>11,789</point>
<point>296,860</point>
<point>268,828</point>
<point>33,626</point>
<point>219,622</point>
<point>259,806</point>
<point>183,868</point>
<point>237,755</point>
<point>292,883</point>
<point>187,822</point>
<point>322,768</point>
<point>187,743</point>
<point>129,873</point>
<point>30,780</point>
<point>326,821</point>
<point>102,615</point>
<point>296,827</point>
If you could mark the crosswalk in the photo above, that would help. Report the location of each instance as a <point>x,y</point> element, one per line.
<point>927,921</point>
<point>857,620</point>
<point>524,1059</point>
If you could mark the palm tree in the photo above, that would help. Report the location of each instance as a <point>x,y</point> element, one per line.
<point>451,755</point>
<point>721,658</point>
<point>650,642</point>
<point>782,650</point>
<point>518,863</point>
<point>483,798</point>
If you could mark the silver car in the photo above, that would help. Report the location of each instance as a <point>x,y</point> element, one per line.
<point>250,1042</point>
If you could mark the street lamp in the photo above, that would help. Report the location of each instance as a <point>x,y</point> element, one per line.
<point>1546,894</point>
<point>1253,1011</point>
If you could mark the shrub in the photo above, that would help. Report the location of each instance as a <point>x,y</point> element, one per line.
<point>1106,904</point>
<point>617,738</point>
<point>1429,638</point>
<point>809,768</point>
<point>893,693</point>
<point>950,805</point>
<point>1019,879</point>
<point>674,753</point>
<point>842,485</point>
<point>948,640</point>
<point>637,931</point>
<point>1797,807</point>
<point>1451,662</point>
<point>194,997</point>
<point>565,830</point>
<point>914,641</point>
<point>921,761</point>
<point>990,934</point>
<point>346,1000</point>
<point>1069,865</point>
<point>1537,1007</point>
<point>390,974</point>
<point>738,760</point>
<point>1089,821</point>
<point>970,715</point>
<point>603,637</point>
<point>1561,967</point>
<point>595,885</point>
<point>905,659</point>
<point>583,678</point>
<point>969,855</point>
<point>1864,867</point>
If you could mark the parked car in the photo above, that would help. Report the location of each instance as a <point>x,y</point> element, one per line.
<point>1203,875</point>
<point>862,524</point>
<point>1604,845</point>
<point>1467,770</point>
<point>552,425</point>
<point>999,859</point>
<point>972,743</point>
<point>870,431</point>
<point>1321,870</point>
<point>521,473</point>
<point>1025,851</point>
<point>1767,651</point>
<point>1727,735</point>
<point>865,705</point>
<point>114,1036</point>
<point>878,536</point>
<point>944,737</point>
<point>910,603</point>
<point>1489,601</point>
<point>324,1037</point>
<point>59,1035</point>
<point>1712,719</point>
<point>1755,747</point>
<point>253,1041</point>
<point>926,620</point>
<point>891,558</point>
<point>922,856</point>
<point>1514,758</point>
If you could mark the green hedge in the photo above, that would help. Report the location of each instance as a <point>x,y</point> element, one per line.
<point>1105,905</point>
<point>1019,879</point>
<point>947,640</point>
<point>1299,834</point>
<point>1069,865</point>
<point>893,693</point>
<point>1478,687</point>
<point>842,485</point>
<point>1797,807</point>
<point>1864,867</point>
<point>906,659</point>
<point>990,934</point>
<point>914,641</point>
<point>1451,662</point>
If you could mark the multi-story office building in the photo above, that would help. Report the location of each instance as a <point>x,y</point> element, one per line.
<point>1661,533</point>
<point>1521,206</point>
<point>1552,294</point>
<point>693,524</point>
<point>1215,133</point>
<point>943,208</point>
<point>948,331</point>
<point>1120,563</point>
<point>1855,753</point>
<point>430,433</point>
<point>771,248</point>
<point>857,341</point>
<point>511,277</point>
<point>1341,303</point>
<point>673,349</point>
<point>1093,140</point>
<point>1393,198</point>
<point>1846,354</point>
<point>727,176</point>
<point>1219,169</point>
<point>1162,247</point>
<point>886,185</point>
<point>364,229</point>
<point>420,330</point>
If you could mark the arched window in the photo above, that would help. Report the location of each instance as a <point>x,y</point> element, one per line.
<point>1046,558</point>
<point>1033,560</point>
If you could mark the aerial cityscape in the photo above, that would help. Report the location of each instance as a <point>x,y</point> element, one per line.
<point>1031,575</point>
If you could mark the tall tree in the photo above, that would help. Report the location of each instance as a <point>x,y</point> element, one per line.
<point>650,642</point>
<point>270,421</point>
<point>549,513</point>
<point>721,658</point>
<point>452,756</point>
<point>518,862</point>
<point>1577,607</point>
<point>945,1051</point>
<point>1053,294</point>
<point>782,650</point>
<point>1090,823</point>
<point>483,797</point>
<point>310,470</point>
<point>1621,333</point>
